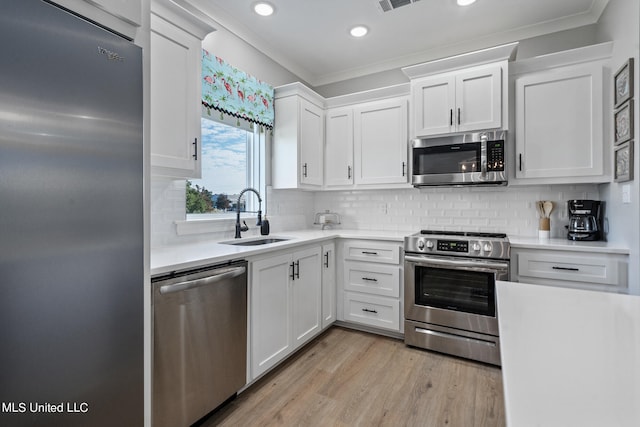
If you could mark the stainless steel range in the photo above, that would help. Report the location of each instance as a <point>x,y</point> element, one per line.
<point>450,298</point>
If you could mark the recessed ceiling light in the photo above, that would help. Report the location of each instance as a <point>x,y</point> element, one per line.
<point>263,9</point>
<point>359,31</point>
<point>465,2</point>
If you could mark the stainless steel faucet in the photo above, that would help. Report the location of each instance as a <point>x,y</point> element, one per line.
<point>245,227</point>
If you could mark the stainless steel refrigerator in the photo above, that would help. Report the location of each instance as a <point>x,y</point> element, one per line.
<point>71,221</point>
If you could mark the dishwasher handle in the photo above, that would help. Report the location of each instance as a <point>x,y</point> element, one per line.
<point>209,280</point>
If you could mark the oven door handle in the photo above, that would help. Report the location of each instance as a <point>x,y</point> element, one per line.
<point>483,266</point>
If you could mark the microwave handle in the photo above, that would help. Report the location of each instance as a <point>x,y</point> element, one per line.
<point>483,155</point>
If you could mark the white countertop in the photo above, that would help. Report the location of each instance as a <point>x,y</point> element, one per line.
<point>566,245</point>
<point>569,357</point>
<point>179,257</point>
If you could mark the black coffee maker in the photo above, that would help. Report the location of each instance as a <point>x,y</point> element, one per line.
<point>585,220</point>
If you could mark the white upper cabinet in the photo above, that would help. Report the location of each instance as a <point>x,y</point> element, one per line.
<point>559,117</point>
<point>461,93</point>
<point>175,107</point>
<point>176,64</point>
<point>460,101</point>
<point>311,139</point>
<point>381,142</point>
<point>479,99</point>
<point>298,138</point>
<point>433,105</point>
<point>338,148</point>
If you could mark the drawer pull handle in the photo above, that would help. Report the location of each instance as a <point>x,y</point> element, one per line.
<point>369,253</point>
<point>565,268</point>
<point>368,279</point>
<point>369,311</point>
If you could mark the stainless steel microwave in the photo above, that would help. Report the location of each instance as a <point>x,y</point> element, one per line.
<point>474,159</point>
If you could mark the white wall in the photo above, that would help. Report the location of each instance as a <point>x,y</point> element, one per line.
<point>540,45</point>
<point>245,57</point>
<point>620,22</point>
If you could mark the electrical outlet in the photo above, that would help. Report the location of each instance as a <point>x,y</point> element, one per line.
<point>382,208</point>
<point>626,193</point>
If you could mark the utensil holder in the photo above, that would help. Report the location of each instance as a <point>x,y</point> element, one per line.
<point>544,228</point>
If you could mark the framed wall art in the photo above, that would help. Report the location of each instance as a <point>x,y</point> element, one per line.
<point>623,84</point>
<point>623,123</point>
<point>623,162</point>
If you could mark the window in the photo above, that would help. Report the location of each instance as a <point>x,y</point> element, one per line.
<point>232,159</point>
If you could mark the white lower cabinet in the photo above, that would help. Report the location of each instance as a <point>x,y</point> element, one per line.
<point>372,311</point>
<point>371,284</point>
<point>328,284</point>
<point>599,271</point>
<point>286,305</point>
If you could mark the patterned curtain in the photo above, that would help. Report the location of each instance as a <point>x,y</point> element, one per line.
<point>234,92</point>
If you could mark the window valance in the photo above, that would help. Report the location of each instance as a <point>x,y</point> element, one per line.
<point>234,92</point>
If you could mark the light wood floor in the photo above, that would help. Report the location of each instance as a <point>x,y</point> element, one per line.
<point>351,378</point>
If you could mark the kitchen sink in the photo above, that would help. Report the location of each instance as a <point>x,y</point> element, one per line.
<point>255,242</point>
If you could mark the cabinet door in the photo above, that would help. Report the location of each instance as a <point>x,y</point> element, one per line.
<point>380,136</point>
<point>478,99</point>
<point>306,295</point>
<point>328,284</point>
<point>559,123</point>
<point>270,312</point>
<point>311,143</point>
<point>338,148</point>
<point>175,100</point>
<point>433,105</point>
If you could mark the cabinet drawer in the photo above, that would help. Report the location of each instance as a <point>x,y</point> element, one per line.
<point>371,310</point>
<point>388,253</point>
<point>586,268</point>
<point>372,278</point>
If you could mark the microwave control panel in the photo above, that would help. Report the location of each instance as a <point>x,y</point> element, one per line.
<point>495,156</point>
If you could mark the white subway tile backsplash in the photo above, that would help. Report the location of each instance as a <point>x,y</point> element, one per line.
<point>510,210</point>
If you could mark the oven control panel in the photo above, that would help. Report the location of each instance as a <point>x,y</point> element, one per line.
<point>453,246</point>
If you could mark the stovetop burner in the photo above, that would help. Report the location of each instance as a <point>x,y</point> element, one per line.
<point>464,233</point>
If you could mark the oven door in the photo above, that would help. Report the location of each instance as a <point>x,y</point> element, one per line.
<point>453,292</point>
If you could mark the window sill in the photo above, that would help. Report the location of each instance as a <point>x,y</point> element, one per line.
<point>209,225</point>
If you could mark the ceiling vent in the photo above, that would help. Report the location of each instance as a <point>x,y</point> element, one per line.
<point>389,5</point>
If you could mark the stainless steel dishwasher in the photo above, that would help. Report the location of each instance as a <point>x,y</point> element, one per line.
<point>199,341</point>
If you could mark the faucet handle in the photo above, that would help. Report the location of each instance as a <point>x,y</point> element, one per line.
<point>244,227</point>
